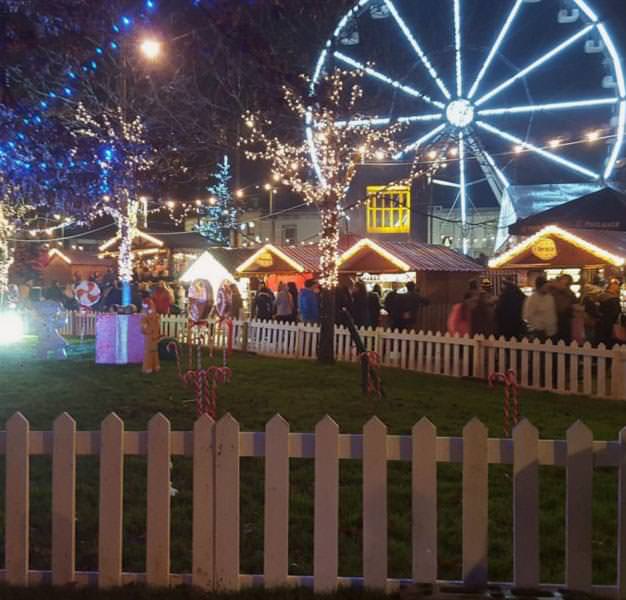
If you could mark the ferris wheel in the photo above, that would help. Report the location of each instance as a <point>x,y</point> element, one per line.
<point>523,91</point>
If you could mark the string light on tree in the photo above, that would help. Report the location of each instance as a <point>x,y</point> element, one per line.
<point>333,149</point>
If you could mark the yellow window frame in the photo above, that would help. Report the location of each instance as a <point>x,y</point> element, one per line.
<point>388,209</point>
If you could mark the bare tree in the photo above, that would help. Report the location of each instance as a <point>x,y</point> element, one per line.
<point>321,167</point>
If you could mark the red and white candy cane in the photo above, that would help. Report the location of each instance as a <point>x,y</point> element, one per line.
<point>511,398</point>
<point>374,384</point>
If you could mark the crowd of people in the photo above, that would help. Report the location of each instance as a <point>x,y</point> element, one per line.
<point>364,307</point>
<point>551,312</point>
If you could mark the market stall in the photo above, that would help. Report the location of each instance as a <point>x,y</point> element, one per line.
<point>585,254</point>
<point>441,274</point>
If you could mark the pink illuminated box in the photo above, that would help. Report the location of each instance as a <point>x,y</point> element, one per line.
<point>119,340</point>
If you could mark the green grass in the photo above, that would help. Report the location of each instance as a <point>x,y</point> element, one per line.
<point>181,593</point>
<point>303,393</point>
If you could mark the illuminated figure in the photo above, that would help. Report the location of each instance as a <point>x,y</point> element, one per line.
<point>48,318</point>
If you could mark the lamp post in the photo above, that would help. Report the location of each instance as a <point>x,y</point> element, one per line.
<point>268,187</point>
<point>150,49</point>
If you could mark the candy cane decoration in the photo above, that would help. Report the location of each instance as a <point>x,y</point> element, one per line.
<point>509,379</point>
<point>374,382</point>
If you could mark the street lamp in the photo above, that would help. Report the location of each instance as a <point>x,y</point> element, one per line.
<point>151,48</point>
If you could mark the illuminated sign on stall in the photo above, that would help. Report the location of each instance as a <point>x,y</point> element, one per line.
<point>545,249</point>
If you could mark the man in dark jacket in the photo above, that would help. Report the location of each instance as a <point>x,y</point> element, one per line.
<point>264,304</point>
<point>407,307</point>
<point>509,308</point>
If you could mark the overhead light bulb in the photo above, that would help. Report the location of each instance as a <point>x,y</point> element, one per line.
<point>151,48</point>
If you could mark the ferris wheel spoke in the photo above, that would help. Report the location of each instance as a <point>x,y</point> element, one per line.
<point>385,79</point>
<point>382,122</point>
<point>532,108</point>
<point>463,190</point>
<point>540,151</point>
<point>496,47</point>
<point>619,143</point>
<point>458,47</point>
<point>536,64</point>
<point>421,141</point>
<point>418,49</point>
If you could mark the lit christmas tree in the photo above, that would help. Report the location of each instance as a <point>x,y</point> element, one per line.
<point>221,217</point>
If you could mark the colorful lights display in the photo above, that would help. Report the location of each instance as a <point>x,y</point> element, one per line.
<point>466,116</point>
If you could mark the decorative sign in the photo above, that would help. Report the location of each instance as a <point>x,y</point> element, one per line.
<point>545,249</point>
<point>265,260</point>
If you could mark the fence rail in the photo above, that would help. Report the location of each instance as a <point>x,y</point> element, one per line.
<point>216,450</point>
<point>560,368</point>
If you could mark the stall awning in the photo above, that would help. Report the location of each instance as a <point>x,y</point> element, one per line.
<point>556,247</point>
<point>369,256</point>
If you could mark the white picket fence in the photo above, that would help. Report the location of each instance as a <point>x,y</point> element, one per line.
<point>216,450</point>
<point>576,370</point>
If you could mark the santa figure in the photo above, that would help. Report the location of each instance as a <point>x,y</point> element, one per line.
<point>151,329</point>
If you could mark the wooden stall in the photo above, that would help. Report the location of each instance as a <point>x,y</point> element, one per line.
<point>582,253</point>
<point>441,274</point>
<point>65,266</point>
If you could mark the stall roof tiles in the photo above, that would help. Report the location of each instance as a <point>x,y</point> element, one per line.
<point>427,257</point>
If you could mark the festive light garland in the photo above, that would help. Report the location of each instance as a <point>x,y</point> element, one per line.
<point>617,261</point>
<point>339,152</point>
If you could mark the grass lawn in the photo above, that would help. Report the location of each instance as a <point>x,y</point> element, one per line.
<point>303,393</point>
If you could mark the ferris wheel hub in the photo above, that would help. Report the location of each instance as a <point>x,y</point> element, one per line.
<point>460,113</point>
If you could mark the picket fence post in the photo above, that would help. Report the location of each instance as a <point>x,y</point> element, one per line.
<point>578,522</point>
<point>618,373</point>
<point>621,518</point>
<point>475,504</point>
<point>203,550</point>
<point>424,501</point>
<point>158,510</point>
<point>375,504</point>
<point>227,504</point>
<point>64,501</point>
<point>479,357</point>
<point>276,538</point>
<point>326,511</point>
<point>111,502</point>
<point>526,505</point>
<point>17,482</point>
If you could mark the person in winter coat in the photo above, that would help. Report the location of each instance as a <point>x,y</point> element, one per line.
<point>284,304</point>
<point>309,302</point>
<point>264,304</point>
<point>360,305</point>
<point>293,290</point>
<point>508,313</point>
<point>484,313</point>
<point>540,311</point>
<point>564,300</point>
<point>407,307</point>
<point>236,302</point>
<point>460,319</point>
<point>373,307</point>
<point>343,299</point>
<point>391,308</point>
<point>609,310</point>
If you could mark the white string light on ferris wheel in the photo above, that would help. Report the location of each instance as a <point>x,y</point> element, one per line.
<point>464,110</point>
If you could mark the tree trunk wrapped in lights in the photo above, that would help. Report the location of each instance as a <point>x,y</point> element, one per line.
<point>121,163</point>
<point>322,167</point>
<point>6,254</point>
